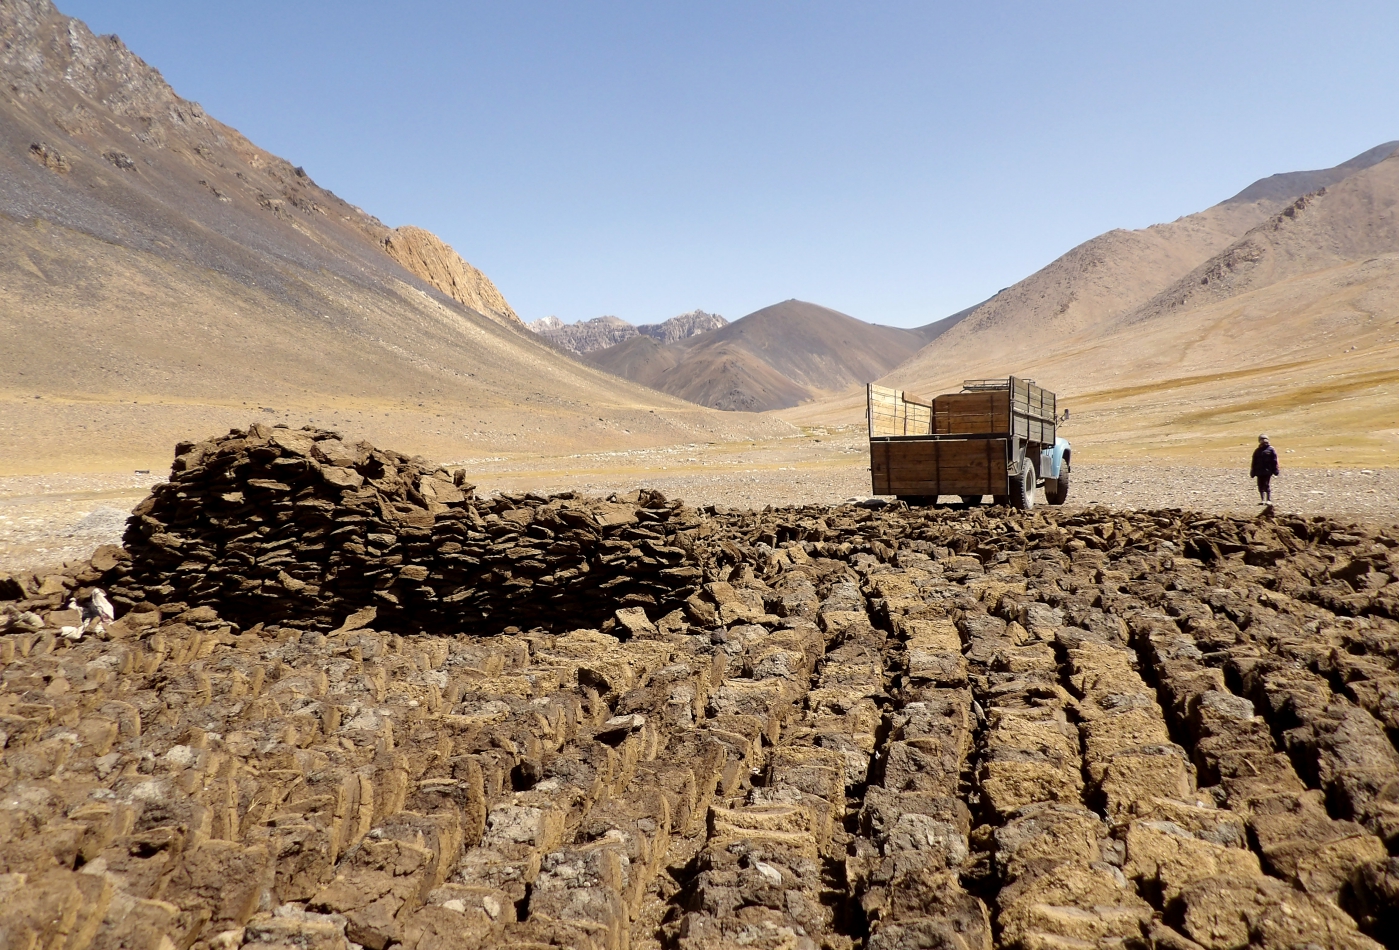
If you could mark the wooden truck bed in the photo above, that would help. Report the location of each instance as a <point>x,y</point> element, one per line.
<point>962,443</point>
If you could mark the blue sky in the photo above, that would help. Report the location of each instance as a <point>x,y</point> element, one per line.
<point>896,161</point>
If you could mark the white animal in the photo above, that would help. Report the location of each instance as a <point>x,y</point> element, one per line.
<point>101,605</point>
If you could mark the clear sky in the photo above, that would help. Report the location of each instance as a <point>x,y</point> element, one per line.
<point>897,161</point>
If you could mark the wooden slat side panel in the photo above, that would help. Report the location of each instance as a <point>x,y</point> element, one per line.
<point>920,418</point>
<point>971,413</point>
<point>893,412</point>
<point>946,451</point>
<point>884,411</point>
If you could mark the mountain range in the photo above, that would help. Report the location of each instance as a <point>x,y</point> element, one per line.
<point>773,358</point>
<point>599,333</point>
<point>161,278</point>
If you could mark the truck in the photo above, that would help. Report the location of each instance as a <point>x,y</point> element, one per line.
<point>997,437</point>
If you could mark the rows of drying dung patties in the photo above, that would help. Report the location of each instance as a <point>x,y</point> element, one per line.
<point>295,527</point>
<point>379,789</point>
<point>913,827</point>
<point>771,862</point>
<point>341,773</point>
<point>1237,753</point>
<point>188,784</point>
<point>1051,854</point>
<point>1168,835</point>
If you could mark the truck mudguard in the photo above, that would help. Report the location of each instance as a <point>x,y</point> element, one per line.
<point>1055,460</point>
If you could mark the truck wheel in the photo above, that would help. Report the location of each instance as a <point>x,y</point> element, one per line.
<point>1058,496</point>
<point>1001,500</point>
<point>971,500</point>
<point>1022,490</point>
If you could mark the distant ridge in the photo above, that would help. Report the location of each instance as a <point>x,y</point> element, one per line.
<point>587,336</point>
<point>773,358</point>
<point>1289,185</point>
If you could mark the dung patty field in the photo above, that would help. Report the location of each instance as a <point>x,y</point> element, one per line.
<point>349,701</point>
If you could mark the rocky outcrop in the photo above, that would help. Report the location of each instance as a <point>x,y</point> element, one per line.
<point>682,327</point>
<point>599,333</point>
<point>423,254</point>
<point>585,335</point>
<point>37,43</point>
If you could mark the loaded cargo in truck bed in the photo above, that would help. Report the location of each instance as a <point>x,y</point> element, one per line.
<point>996,437</point>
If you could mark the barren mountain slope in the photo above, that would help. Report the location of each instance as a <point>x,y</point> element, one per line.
<point>1294,329</point>
<point>1354,220</point>
<point>1100,280</point>
<point>1289,185</point>
<point>730,377</point>
<point>160,275</point>
<point>639,359</point>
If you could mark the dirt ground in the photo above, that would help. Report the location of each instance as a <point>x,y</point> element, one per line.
<point>572,722</point>
<point>47,519</point>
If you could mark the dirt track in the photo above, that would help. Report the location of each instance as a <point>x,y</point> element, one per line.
<point>879,728</point>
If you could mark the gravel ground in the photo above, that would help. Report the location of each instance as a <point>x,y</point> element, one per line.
<point>45,520</point>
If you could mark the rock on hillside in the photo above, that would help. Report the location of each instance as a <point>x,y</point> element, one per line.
<point>585,335</point>
<point>771,359</point>
<point>425,255</point>
<point>588,336</point>
<point>683,327</point>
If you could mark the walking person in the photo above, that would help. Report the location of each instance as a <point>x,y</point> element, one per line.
<point>1265,466</point>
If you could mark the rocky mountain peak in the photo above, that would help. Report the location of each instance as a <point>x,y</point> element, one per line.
<point>587,336</point>
<point>683,326</point>
<point>41,51</point>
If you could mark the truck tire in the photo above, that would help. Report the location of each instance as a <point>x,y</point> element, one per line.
<point>971,500</point>
<point>1061,492</point>
<point>1022,490</point>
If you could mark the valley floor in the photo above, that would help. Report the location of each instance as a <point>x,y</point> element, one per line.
<point>45,520</point>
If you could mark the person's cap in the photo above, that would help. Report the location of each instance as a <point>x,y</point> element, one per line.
<point>1262,438</point>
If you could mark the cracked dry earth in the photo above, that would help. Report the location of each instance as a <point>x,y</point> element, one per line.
<point>825,727</point>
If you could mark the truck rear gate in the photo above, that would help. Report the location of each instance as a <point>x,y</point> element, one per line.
<point>939,467</point>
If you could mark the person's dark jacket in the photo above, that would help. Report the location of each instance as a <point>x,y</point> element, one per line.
<point>1265,462</point>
